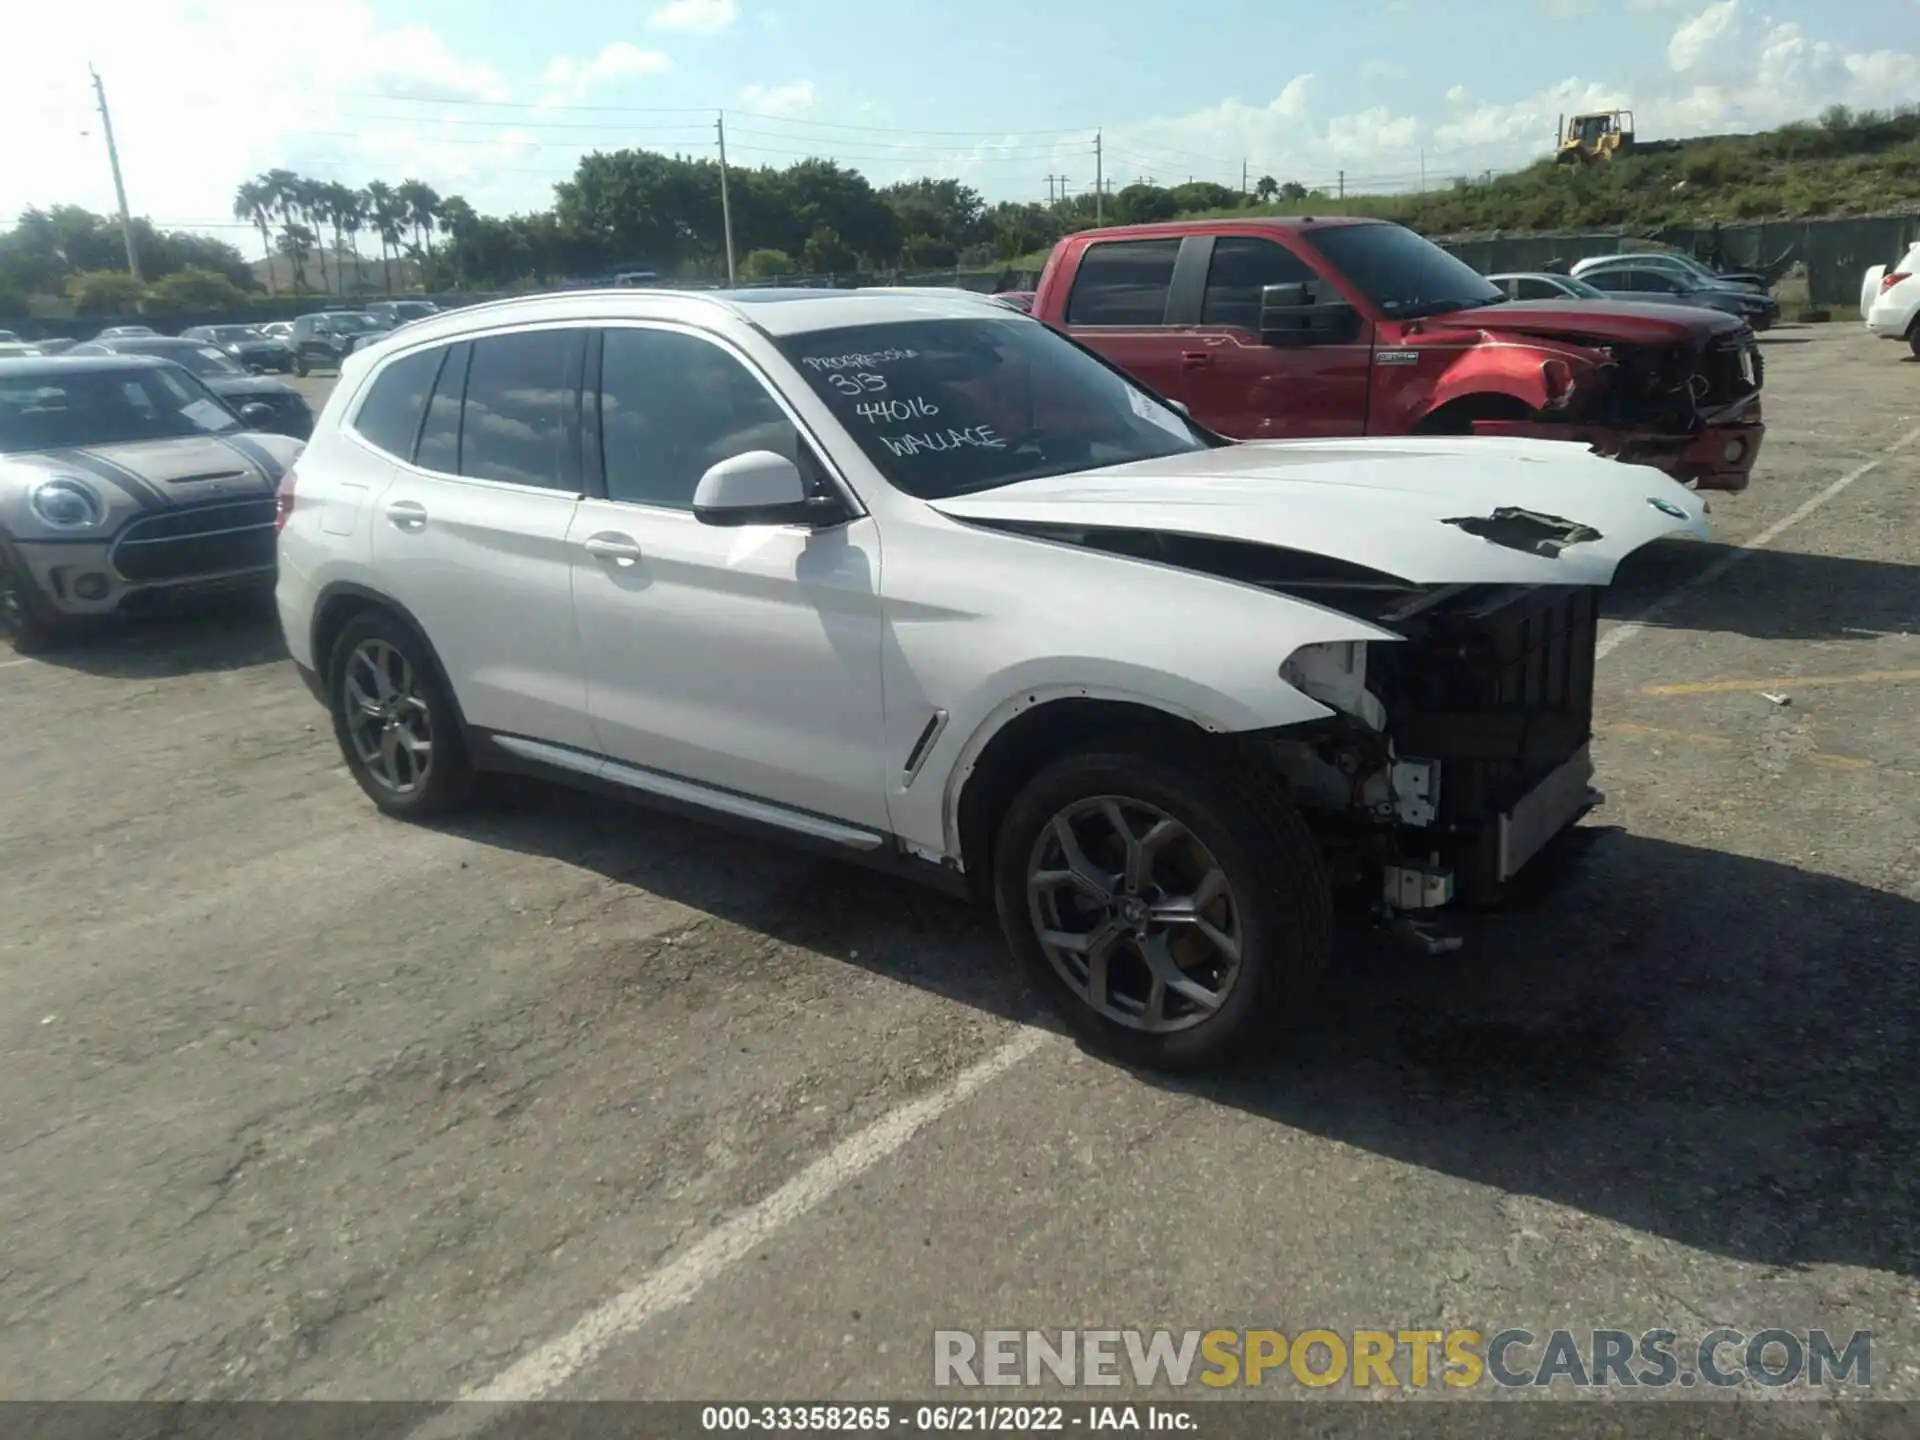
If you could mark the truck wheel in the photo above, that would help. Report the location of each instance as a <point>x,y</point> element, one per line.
<point>394,720</point>
<point>1170,914</point>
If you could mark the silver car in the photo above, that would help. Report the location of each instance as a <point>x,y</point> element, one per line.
<point>125,485</point>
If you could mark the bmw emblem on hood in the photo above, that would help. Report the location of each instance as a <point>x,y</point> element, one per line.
<point>1666,507</point>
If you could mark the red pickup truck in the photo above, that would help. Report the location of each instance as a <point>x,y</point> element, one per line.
<point>1269,329</point>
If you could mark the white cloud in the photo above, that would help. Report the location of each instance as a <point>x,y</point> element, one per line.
<point>698,17</point>
<point>1381,70</point>
<point>574,79</point>
<point>796,97</point>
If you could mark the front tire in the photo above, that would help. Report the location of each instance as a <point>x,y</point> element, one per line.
<point>300,368</point>
<point>28,620</point>
<point>1172,915</point>
<point>394,720</point>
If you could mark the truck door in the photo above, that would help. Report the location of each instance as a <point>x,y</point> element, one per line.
<point>1244,387</point>
<point>1117,307</point>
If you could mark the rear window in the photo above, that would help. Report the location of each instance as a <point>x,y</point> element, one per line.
<point>389,418</point>
<point>1123,282</point>
<point>523,407</point>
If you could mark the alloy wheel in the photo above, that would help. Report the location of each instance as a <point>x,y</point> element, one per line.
<point>1134,913</point>
<point>388,718</point>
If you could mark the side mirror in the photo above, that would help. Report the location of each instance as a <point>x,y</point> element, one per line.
<point>1290,315</point>
<point>256,414</point>
<point>759,488</point>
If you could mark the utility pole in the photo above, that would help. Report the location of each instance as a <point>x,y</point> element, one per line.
<point>1343,185</point>
<point>726,204</point>
<point>1050,180</point>
<point>1099,184</point>
<point>1243,180</point>
<point>1423,172</point>
<point>119,187</point>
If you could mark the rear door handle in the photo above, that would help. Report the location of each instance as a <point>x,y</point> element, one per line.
<point>1195,359</point>
<point>620,549</point>
<point>408,514</point>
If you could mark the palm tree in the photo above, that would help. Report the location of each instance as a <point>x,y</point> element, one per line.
<point>340,210</point>
<point>456,223</point>
<point>389,215</point>
<point>282,196</point>
<point>313,210</point>
<point>250,204</point>
<point>296,243</point>
<point>423,208</point>
<point>359,217</point>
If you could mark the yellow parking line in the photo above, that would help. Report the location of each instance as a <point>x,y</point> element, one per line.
<point>1721,742</point>
<point>1786,683</point>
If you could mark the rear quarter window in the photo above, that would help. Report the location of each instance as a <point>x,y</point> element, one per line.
<point>389,418</point>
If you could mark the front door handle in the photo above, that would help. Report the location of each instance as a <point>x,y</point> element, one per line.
<point>408,514</point>
<point>1195,359</point>
<point>620,549</point>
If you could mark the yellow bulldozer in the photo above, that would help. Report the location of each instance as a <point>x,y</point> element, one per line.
<point>1599,136</point>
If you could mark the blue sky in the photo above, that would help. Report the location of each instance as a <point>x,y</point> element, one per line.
<point>495,102</point>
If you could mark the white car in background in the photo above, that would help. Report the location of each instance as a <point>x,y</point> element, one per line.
<point>1890,300</point>
<point>916,581</point>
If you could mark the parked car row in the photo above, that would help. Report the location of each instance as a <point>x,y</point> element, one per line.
<point>1890,300</point>
<point>311,342</point>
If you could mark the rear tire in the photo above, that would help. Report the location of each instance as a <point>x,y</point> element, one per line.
<point>395,722</point>
<point>1231,904</point>
<point>300,368</point>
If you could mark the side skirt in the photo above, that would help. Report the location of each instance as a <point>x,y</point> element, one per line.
<point>722,809</point>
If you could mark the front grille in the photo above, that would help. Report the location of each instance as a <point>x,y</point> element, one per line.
<point>1725,379</point>
<point>1497,685</point>
<point>204,540</point>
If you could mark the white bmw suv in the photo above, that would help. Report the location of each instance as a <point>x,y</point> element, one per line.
<point>920,582</point>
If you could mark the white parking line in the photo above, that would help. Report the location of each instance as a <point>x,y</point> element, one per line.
<point>9,664</point>
<point>1624,632</point>
<point>674,1284</point>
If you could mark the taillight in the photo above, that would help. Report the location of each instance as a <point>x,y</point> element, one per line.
<point>283,501</point>
<point>1887,282</point>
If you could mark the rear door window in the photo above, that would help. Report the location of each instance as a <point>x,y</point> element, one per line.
<point>1123,282</point>
<point>389,418</point>
<point>440,434</point>
<point>1242,266</point>
<point>522,415</point>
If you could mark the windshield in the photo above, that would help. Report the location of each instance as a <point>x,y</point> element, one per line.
<point>1405,274</point>
<point>353,324</point>
<point>232,334</point>
<point>945,407</point>
<point>413,309</point>
<point>77,407</point>
<point>1579,287</point>
<point>200,359</point>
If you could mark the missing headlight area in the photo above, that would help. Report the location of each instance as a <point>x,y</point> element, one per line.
<point>1526,530</point>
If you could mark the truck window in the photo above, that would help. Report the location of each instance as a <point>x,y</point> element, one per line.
<point>1242,264</point>
<point>1123,282</point>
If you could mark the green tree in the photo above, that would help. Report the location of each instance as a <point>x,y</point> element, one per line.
<point>1140,204</point>
<point>422,204</point>
<point>1293,191</point>
<point>928,252</point>
<point>105,292</point>
<point>825,253</point>
<point>766,264</point>
<point>1266,188</point>
<point>194,291</point>
<point>457,223</point>
<point>296,243</point>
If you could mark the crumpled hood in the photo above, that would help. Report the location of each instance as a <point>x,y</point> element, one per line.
<point>1600,321</point>
<point>1426,511</point>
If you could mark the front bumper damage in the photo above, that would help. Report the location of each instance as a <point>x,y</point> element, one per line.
<point>1482,761</point>
<point>1719,455</point>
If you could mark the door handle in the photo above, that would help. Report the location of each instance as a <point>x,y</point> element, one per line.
<point>408,514</point>
<point>620,549</point>
<point>1195,359</point>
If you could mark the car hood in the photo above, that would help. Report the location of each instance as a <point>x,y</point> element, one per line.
<point>1424,511</point>
<point>267,342</point>
<point>1605,321</point>
<point>143,476</point>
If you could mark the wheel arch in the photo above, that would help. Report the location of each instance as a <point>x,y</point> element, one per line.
<point>340,602</point>
<point>1009,749</point>
<point>1456,415</point>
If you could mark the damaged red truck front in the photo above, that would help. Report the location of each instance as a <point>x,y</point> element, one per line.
<point>1277,329</point>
